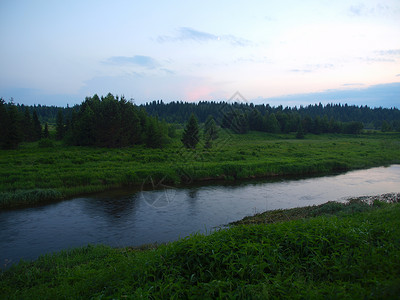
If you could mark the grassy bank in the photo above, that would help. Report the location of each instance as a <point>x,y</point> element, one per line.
<point>338,254</point>
<point>35,174</point>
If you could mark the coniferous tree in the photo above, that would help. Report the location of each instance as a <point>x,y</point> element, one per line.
<point>154,134</point>
<point>13,135</point>
<point>190,137</point>
<point>210,132</point>
<point>27,126</point>
<point>3,123</point>
<point>37,128</point>
<point>46,133</point>
<point>300,132</point>
<point>210,128</point>
<point>60,126</point>
<point>271,123</point>
<point>385,126</point>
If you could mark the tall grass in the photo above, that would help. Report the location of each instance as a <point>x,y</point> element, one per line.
<point>346,256</point>
<point>71,170</point>
<point>28,197</point>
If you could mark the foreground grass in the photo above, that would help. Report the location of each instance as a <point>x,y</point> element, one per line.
<point>342,256</point>
<point>33,174</point>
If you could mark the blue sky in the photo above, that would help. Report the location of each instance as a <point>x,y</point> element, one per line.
<point>276,52</point>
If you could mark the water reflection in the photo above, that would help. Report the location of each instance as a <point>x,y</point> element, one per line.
<point>113,210</point>
<point>131,217</point>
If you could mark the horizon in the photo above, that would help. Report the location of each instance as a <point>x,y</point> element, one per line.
<point>281,53</point>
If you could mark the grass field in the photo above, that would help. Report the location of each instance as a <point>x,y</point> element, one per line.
<point>34,174</point>
<point>349,252</point>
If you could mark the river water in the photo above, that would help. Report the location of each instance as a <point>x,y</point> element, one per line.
<point>131,218</point>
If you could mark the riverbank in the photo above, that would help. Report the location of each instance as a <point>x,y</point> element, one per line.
<point>32,175</point>
<point>350,251</point>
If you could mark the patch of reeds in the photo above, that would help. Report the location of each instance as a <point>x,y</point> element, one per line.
<point>28,197</point>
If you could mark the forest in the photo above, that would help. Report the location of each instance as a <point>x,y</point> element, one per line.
<point>109,121</point>
<point>114,122</point>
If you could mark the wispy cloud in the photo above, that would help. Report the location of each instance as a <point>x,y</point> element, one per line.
<point>301,70</point>
<point>357,10</point>
<point>312,68</point>
<point>139,60</point>
<point>353,84</point>
<point>398,75</point>
<point>391,52</point>
<point>190,34</point>
<point>320,66</point>
<point>376,59</point>
<point>385,95</point>
<point>361,10</point>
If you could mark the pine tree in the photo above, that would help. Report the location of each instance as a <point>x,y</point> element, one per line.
<point>190,136</point>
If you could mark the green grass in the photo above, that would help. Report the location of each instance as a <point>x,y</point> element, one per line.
<point>353,205</point>
<point>71,171</point>
<point>342,256</point>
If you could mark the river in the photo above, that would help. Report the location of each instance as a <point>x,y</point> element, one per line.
<point>130,218</point>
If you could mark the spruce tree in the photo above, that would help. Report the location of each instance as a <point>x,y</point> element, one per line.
<point>190,136</point>
<point>27,126</point>
<point>37,128</point>
<point>59,126</point>
<point>3,123</point>
<point>300,132</point>
<point>46,131</point>
<point>154,134</point>
<point>210,132</point>
<point>210,128</point>
<point>13,137</point>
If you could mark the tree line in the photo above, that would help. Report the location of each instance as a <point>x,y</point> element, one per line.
<point>103,122</point>
<point>116,122</point>
<point>17,126</point>
<point>111,122</point>
<point>288,118</point>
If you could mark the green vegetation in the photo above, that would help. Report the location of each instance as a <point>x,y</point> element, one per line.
<point>317,118</point>
<point>353,205</point>
<point>72,170</point>
<point>345,256</point>
<point>109,121</point>
<point>190,136</point>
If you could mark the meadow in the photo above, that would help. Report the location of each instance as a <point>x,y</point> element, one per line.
<point>343,251</point>
<point>39,172</point>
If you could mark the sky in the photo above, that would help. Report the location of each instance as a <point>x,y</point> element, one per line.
<point>277,52</point>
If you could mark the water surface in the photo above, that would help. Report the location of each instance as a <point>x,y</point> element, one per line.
<point>124,218</point>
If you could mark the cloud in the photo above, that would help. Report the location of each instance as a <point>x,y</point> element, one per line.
<point>398,75</point>
<point>321,66</point>
<point>389,52</point>
<point>361,10</point>
<point>353,84</point>
<point>376,59</point>
<point>139,60</point>
<point>357,10</point>
<point>31,96</point>
<point>309,68</point>
<point>301,70</point>
<point>385,95</point>
<point>189,34</point>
